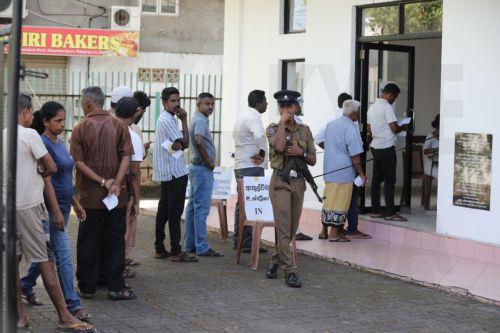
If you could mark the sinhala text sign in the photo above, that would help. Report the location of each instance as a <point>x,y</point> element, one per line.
<point>257,201</point>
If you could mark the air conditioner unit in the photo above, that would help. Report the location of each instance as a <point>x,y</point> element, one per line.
<point>125,18</point>
<point>6,8</point>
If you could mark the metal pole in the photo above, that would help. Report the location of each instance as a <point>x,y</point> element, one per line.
<point>13,106</point>
<point>2,207</point>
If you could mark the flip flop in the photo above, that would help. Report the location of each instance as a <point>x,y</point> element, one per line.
<point>131,262</point>
<point>211,253</point>
<point>376,216</point>
<point>32,300</point>
<point>359,235</point>
<point>302,237</point>
<point>322,236</point>
<point>339,240</point>
<point>77,328</point>
<point>83,316</point>
<point>121,295</point>
<point>25,327</point>
<point>184,257</point>
<point>396,217</point>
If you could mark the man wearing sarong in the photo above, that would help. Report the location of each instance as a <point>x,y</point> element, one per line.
<point>342,160</point>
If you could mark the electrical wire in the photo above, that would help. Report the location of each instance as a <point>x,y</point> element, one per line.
<point>53,20</point>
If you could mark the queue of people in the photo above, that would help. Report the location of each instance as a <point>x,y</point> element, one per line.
<point>106,149</point>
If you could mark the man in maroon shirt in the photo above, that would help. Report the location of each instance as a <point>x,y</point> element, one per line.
<point>101,148</point>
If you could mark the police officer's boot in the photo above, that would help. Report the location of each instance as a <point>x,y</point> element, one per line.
<point>293,280</point>
<point>272,271</point>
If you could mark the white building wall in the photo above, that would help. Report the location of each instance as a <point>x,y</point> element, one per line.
<point>469,103</point>
<point>254,46</point>
<point>470,75</point>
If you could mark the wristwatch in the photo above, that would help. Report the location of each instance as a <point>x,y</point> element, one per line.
<point>103,181</point>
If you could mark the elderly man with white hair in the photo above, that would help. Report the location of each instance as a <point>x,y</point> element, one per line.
<point>341,162</point>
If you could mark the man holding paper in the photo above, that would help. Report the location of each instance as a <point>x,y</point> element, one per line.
<point>342,155</point>
<point>170,169</point>
<point>382,129</point>
<point>101,147</point>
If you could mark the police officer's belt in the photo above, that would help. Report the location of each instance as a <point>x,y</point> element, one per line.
<point>293,174</point>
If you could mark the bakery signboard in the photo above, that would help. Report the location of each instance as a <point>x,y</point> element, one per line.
<point>79,42</point>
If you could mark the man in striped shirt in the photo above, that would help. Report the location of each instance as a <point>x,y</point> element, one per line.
<point>170,169</point>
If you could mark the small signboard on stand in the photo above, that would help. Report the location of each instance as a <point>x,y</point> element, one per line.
<point>257,201</point>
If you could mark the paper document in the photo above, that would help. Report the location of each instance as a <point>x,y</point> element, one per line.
<point>111,201</point>
<point>358,181</point>
<point>404,121</point>
<point>167,144</point>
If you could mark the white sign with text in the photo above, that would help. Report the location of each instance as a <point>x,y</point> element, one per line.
<point>221,190</point>
<point>257,201</point>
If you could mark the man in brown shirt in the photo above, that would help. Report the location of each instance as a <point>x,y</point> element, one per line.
<point>101,148</point>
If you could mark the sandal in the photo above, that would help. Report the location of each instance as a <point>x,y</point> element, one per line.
<point>82,315</point>
<point>340,239</point>
<point>376,215</point>
<point>77,328</point>
<point>183,257</point>
<point>32,300</point>
<point>396,217</point>
<point>128,274</point>
<point>359,235</point>
<point>131,262</point>
<point>125,294</point>
<point>25,327</point>
<point>84,295</point>
<point>322,236</point>
<point>211,253</point>
<point>162,255</point>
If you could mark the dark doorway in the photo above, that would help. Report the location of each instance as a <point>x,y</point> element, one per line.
<point>380,63</point>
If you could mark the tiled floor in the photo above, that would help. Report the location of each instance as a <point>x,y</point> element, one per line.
<point>422,257</point>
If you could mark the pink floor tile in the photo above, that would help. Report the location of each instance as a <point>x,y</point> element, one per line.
<point>430,242</point>
<point>434,268</point>
<point>382,232</point>
<point>447,245</point>
<point>413,238</point>
<point>484,253</point>
<point>464,273</point>
<point>366,227</point>
<point>465,249</point>
<point>497,256</point>
<point>488,283</point>
<point>397,235</point>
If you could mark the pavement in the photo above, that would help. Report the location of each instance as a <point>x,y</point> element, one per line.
<point>215,295</point>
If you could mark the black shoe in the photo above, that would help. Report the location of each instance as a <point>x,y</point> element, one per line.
<point>293,280</point>
<point>162,254</point>
<point>302,237</point>
<point>211,253</point>
<point>272,271</point>
<point>249,250</point>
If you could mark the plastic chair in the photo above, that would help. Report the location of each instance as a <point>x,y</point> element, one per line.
<point>221,209</point>
<point>257,227</point>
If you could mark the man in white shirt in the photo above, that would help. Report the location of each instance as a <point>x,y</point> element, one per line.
<point>250,156</point>
<point>172,172</point>
<point>382,129</point>
<point>117,94</point>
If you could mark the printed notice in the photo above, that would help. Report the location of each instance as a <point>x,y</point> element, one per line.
<point>257,201</point>
<point>472,178</point>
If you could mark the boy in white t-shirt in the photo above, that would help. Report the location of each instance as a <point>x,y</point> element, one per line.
<point>127,109</point>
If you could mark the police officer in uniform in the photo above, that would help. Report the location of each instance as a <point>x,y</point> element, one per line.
<point>287,139</point>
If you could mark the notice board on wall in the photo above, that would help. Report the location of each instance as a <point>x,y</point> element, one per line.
<point>472,170</point>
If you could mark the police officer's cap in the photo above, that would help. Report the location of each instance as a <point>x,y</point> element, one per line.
<point>287,97</point>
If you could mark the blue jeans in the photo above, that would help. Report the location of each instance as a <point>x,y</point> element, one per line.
<point>61,246</point>
<point>198,208</point>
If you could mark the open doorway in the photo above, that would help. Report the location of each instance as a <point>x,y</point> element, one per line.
<point>401,42</point>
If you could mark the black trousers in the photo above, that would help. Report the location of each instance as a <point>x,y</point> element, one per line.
<point>247,231</point>
<point>102,232</point>
<point>170,208</point>
<point>384,170</point>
